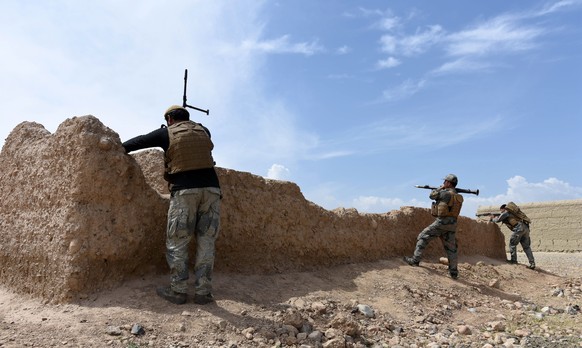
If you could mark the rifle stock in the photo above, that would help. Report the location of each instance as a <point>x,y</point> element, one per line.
<point>459,190</point>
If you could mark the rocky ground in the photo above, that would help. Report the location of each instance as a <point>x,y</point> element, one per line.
<point>382,304</point>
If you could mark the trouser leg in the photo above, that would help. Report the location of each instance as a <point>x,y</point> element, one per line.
<point>513,242</point>
<point>423,239</point>
<point>207,230</point>
<point>526,245</point>
<point>450,245</point>
<point>178,237</point>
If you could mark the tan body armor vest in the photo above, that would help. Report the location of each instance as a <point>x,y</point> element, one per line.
<point>190,148</point>
<point>452,208</point>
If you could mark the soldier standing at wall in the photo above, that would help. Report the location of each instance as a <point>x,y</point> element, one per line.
<point>512,217</point>
<point>194,203</point>
<point>446,209</point>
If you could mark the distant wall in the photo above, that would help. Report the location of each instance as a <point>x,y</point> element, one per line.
<point>78,215</point>
<point>556,225</point>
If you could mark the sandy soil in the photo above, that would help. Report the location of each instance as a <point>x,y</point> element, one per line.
<point>381,304</point>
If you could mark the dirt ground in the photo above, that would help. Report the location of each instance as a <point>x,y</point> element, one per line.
<point>381,304</point>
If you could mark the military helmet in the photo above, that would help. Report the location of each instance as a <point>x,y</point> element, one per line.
<point>172,108</point>
<point>175,108</point>
<point>452,178</point>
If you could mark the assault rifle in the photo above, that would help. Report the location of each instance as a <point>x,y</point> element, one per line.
<point>184,104</point>
<point>487,214</point>
<point>459,190</point>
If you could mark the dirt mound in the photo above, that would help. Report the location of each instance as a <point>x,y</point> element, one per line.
<point>380,304</point>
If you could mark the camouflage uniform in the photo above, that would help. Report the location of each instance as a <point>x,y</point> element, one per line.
<point>444,228</point>
<point>446,209</point>
<point>519,235</point>
<point>194,203</point>
<point>192,211</point>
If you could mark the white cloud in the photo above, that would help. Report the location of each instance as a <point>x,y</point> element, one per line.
<point>412,44</point>
<point>387,63</point>
<point>389,23</point>
<point>501,34</point>
<point>421,41</point>
<point>461,66</point>
<point>406,89</point>
<point>558,6</point>
<point>278,172</point>
<point>343,50</point>
<point>331,154</point>
<point>519,190</point>
<point>283,45</point>
<point>388,43</point>
<point>364,12</point>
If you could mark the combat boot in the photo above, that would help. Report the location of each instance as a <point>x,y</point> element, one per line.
<point>454,273</point>
<point>170,295</point>
<point>532,265</point>
<point>411,261</point>
<point>203,299</point>
<point>512,262</point>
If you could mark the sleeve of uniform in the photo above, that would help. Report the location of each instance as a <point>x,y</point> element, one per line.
<point>440,195</point>
<point>157,138</point>
<point>501,217</point>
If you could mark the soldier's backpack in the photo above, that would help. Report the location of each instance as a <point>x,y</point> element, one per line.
<point>515,210</point>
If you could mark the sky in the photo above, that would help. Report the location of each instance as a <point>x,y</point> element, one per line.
<point>354,101</point>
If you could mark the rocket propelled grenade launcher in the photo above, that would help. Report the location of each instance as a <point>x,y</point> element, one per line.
<point>184,103</point>
<point>459,190</point>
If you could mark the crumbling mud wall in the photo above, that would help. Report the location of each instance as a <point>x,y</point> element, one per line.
<point>76,212</point>
<point>78,215</point>
<point>556,225</point>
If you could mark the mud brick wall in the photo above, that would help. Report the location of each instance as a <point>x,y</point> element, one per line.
<point>556,225</point>
<point>72,211</point>
<point>78,215</point>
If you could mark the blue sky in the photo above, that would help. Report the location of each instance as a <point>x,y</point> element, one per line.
<point>355,101</point>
